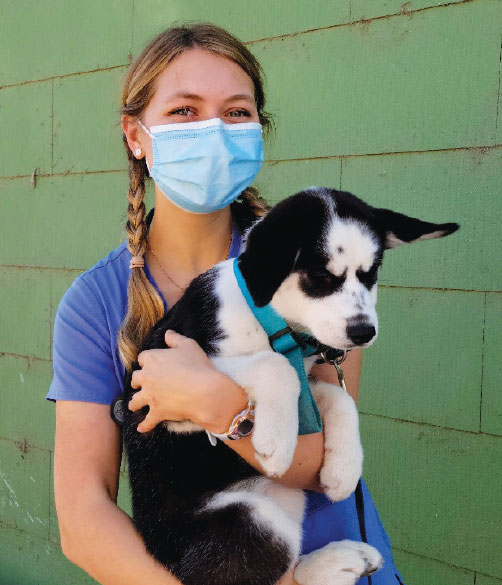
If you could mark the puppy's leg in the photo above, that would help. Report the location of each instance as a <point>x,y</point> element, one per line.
<point>338,563</point>
<point>343,453</point>
<point>272,384</point>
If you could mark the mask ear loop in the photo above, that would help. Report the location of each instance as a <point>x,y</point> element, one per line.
<point>145,128</point>
<point>151,136</point>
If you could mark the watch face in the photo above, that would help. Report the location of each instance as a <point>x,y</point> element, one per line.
<point>245,427</point>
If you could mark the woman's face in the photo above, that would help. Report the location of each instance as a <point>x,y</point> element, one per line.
<point>198,85</point>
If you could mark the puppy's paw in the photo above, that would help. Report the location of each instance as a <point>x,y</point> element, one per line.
<point>274,451</point>
<point>338,563</point>
<point>340,473</point>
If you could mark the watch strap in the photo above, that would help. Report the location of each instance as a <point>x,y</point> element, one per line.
<point>240,427</point>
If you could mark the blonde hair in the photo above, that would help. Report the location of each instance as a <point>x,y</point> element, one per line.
<point>145,306</point>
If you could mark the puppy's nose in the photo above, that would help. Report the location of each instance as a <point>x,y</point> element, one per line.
<point>360,333</point>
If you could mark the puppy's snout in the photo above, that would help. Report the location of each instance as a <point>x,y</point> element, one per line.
<point>360,333</point>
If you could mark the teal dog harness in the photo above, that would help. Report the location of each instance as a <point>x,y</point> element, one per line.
<point>294,347</point>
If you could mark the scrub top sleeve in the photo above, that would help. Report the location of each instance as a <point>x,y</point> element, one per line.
<point>83,363</point>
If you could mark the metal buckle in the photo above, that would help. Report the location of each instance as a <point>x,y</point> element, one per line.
<point>337,361</point>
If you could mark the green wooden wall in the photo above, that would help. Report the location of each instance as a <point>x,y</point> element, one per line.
<point>397,102</point>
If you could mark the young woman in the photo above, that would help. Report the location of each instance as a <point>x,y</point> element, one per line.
<point>193,73</point>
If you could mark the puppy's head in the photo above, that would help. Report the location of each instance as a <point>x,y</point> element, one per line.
<point>315,257</point>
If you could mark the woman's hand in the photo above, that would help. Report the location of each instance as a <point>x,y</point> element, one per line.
<point>181,383</point>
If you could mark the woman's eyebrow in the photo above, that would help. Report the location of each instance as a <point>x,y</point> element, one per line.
<point>193,96</point>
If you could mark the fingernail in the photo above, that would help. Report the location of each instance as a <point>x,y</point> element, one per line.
<point>139,429</point>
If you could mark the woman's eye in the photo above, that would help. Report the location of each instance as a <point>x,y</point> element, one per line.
<point>184,111</point>
<point>239,113</point>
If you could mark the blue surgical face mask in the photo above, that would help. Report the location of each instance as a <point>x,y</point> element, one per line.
<point>204,166</point>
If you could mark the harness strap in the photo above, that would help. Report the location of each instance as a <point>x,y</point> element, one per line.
<point>283,340</point>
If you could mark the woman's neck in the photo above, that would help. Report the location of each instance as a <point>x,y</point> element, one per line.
<point>188,243</point>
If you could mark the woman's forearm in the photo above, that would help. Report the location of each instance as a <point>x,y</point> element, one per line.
<point>104,543</point>
<point>308,458</point>
<point>303,472</point>
<point>216,416</point>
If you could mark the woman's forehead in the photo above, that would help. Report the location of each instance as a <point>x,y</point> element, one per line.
<point>199,74</point>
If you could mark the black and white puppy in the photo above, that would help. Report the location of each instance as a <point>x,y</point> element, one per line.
<point>203,512</point>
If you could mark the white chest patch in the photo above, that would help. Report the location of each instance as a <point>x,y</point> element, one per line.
<point>244,334</point>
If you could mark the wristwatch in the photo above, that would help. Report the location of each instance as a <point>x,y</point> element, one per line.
<point>241,426</point>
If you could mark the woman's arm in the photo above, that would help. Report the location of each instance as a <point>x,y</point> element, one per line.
<point>307,461</point>
<point>95,534</point>
<point>351,370</point>
<point>182,383</point>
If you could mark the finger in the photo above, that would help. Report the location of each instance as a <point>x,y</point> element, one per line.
<point>136,379</point>
<point>174,339</point>
<point>141,359</point>
<point>137,401</point>
<point>148,424</point>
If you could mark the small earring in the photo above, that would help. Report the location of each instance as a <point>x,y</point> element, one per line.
<point>138,152</point>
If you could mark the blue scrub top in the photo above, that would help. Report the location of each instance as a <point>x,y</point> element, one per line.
<point>87,367</point>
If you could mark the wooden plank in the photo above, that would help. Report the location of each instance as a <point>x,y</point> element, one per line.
<point>417,570</point>
<point>278,180</point>
<point>25,312</point>
<point>426,364</point>
<point>260,19</point>
<point>486,580</point>
<point>97,143</point>
<point>124,495</point>
<point>26,129</point>
<point>92,211</point>
<point>28,560</point>
<point>386,86</point>
<point>24,487</point>
<point>246,19</point>
<point>361,9</point>
<point>54,536</point>
<point>456,186</point>
<point>57,37</point>
<point>25,417</point>
<point>437,491</point>
<point>491,409</point>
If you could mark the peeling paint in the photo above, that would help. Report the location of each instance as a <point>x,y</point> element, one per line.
<point>9,487</point>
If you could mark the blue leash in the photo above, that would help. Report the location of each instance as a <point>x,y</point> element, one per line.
<point>282,341</point>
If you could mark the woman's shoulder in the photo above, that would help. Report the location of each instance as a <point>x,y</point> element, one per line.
<point>99,295</point>
<point>114,266</point>
<point>86,362</point>
<point>105,278</point>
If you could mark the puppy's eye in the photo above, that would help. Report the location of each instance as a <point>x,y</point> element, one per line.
<point>320,282</point>
<point>368,278</point>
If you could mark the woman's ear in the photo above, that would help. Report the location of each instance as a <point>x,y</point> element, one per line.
<point>130,128</point>
<point>401,229</point>
<point>275,242</point>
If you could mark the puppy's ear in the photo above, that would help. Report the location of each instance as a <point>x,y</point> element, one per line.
<point>401,229</point>
<point>274,244</point>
